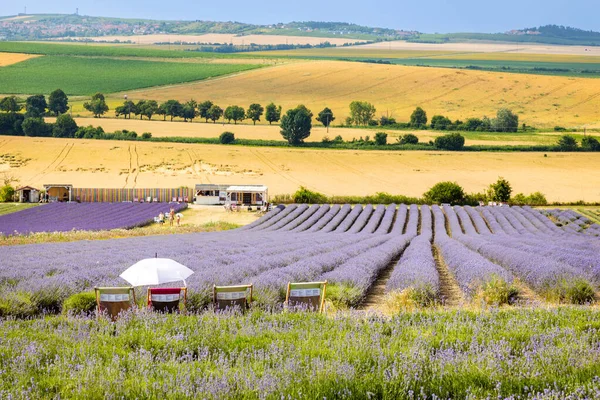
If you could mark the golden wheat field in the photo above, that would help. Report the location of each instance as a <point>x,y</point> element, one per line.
<point>541,101</point>
<point>99,163</point>
<point>13,58</point>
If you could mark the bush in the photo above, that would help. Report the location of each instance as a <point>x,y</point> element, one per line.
<point>385,121</point>
<point>146,135</point>
<point>418,118</point>
<point>560,129</point>
<point>497,292</point>
<point>381,138</point>
<point>590,143</point>
<point>10,124</point>
<point>49,300</point>
<point>534,199</point>
<point>445,192</point>
<point>453,141</point>
<point>372,122</point>
<point>7,193</point>
<point>80,303</point>
<point>567,143</point>
<point>441,123</point>
<point>17,304</point>
<point>409,138</point>
<point>226,138</point>
<point>306,196</point>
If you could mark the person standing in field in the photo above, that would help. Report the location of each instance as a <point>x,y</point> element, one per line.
<point>178,219</point>
<point>171,216</point>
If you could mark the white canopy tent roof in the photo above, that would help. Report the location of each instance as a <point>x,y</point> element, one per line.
<point>247,189</point>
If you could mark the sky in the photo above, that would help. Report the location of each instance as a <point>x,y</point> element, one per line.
<point>429,16</point>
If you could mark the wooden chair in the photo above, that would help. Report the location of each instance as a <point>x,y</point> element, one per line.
<point>306,295</point>
<point>167,300</point>
<point>114,300</point>
<point>231,297</point>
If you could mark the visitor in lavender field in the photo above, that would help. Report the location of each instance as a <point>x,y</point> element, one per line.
<point>178,219</point>
<point>171,216</point>
<point>161,218</point>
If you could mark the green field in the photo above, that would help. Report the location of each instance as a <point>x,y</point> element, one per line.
<point>86,75</point>
<point>96,50</point>
<point>7,208</point>
<point>526,353</point>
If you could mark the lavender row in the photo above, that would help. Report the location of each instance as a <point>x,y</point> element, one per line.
<point>471,270</point>
<point>416,269</point>
<point>63,217</point>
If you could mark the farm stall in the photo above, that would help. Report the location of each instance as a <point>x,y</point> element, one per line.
<point>28,194</point>
<point>59,192</point>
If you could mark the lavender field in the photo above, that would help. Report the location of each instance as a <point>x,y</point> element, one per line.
<point>490,253</point>
<point>63,217</point>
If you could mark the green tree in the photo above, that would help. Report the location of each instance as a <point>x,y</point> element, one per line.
<point>173,108</point>
<point>10,105</point>
<point>567,143</point>
<point>590,143</point>
<point>255,111</point>
<point>326,117</point>
<point>409,138</point>
<point>361,112</point>
<point>307,196</point>
<point>65,127</point>
<point>35,106</point>
<point>189,111</point>
<point>58,102</point>
<point>235,113</point>
<point>162,110</point>
<point>500,190</point>
<point>505,121</point>
<point>273,113</point>
<point>126,109</point>
<point>97,105</point>
<point>215,113</point>
<point>445,192</point>
<point>381,138</point>
<point>203,109</point>
<point>226,138</point>
<point>441,123</point>
<point>36,127</point>
<point>147,108</point>
<point>296,125</point>
<point>453,141</point>
<point>418,118</point>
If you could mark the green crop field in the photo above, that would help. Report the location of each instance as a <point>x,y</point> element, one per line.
<point>97,50</point>
<point>86,76</point>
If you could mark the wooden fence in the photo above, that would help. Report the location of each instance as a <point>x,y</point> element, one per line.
<point>96,195</point>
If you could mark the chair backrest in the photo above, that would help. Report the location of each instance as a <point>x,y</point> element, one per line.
<point>155,200</point>
<point>180,199</point>
<point>166,299</point>
<point>306,295</point>
<point>225,297</point>
<point>174,199</point>
<point>114,300</point>
<point>148,199</point>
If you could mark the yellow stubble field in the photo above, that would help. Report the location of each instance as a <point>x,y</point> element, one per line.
<point>14,58</point>
<point>98,163</point>
<point>541,101</point>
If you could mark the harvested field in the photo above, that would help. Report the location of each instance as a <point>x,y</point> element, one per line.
<point>160,128</point>
<point>222,38</point>
<point>14,58</point>
<point>486,47</point>
<point>540,101</point>
<point>97,163</point>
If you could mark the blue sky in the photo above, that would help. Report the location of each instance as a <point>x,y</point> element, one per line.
<point>422,15</point>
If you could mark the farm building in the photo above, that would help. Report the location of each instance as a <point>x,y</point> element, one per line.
<point>59,192</point>
<point>212,194</point>
<point>28,194</point>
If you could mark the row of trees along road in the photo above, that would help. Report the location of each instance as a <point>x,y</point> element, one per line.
<point>191,110</point>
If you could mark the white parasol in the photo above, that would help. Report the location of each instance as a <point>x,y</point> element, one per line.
<point>154,271</point>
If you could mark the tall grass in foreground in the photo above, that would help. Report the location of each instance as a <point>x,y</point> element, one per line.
<point>525,353</point>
